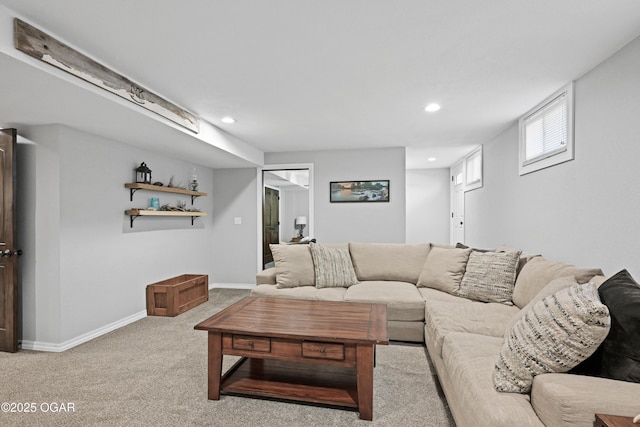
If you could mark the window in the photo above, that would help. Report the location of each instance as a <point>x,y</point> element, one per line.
<point>473,170</point>
<point>546,132</point>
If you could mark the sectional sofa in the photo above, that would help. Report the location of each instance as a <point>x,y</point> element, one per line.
<point>474,309</point>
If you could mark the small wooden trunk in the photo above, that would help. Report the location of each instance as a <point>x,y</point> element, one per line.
<point>176,295</point>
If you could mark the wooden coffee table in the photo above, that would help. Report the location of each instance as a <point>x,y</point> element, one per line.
<point>320,352</point>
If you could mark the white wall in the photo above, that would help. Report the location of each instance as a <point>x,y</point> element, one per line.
<point>427,205</point>
<point>84,267</point>
<point>363,222</point>
<point>583,211</point>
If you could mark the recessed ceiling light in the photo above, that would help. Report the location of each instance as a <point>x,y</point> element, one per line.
<point>431,108</point>
<point>228,120</point>
<point>431,159</point>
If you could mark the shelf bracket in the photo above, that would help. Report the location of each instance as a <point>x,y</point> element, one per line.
<point>192,218</point>
<point>193,197</point>
<point>131,219</point>
<point>132,191</point>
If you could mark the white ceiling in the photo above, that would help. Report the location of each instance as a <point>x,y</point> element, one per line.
<point>337,74</point>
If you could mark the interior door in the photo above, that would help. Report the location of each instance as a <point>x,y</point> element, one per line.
<point>270,223</point>
<point>8,253</point>
<point>457,204</point>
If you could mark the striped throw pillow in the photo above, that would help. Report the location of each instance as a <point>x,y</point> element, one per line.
<point>332,267</point>
<point>490,276</point>
<point>555,335</point>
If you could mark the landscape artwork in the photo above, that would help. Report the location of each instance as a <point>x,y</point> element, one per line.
<point>359,191</point>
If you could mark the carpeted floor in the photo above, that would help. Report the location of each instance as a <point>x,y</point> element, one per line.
<point>154,373</point>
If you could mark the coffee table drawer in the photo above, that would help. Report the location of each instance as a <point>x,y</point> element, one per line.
<point>323,350</point>
<point>249,343</point>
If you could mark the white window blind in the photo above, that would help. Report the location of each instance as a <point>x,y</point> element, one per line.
<point>546,130</point>
<point>474,167</point>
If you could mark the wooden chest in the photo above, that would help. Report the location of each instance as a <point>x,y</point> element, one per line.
<point>176,295</point>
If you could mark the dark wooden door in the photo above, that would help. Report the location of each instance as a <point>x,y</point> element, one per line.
<point>270,222</point>
<point>8,252</point>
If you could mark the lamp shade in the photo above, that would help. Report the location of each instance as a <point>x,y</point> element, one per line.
<point>301,220</point>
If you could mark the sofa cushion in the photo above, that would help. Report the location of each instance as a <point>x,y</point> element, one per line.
<point>571,400</point>
<point>445,317</point>
<point>552,287</point>
<point>429,294</point>
<point>300,292</point>
<point>294,265</point>
<point>388,261</point>
<point>469,360</point>
<point>558,333</point>
<point>621,349</point>
<point>332,267</point>
<point>403,300</point>
<point>444,268</point>
<point>538,272</point>
<point>490,276</point>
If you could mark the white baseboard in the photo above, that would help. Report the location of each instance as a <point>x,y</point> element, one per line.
<point>57,348</point>
<point>232,285</point>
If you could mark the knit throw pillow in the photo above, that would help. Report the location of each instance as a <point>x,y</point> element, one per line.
<point>556,334</point>
<point>332,267</point>
<point>490,276</point>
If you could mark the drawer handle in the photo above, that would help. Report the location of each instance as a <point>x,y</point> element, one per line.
<point>321,349</point>
<point>250,344</point>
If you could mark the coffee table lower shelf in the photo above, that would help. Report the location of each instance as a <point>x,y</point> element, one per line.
<point>297,381</point>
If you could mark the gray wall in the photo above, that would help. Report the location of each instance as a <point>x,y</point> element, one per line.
<point>234,245</point>
<point>361,222</point>
<point>583,211</point>
<point>84,268</point>
<point>427,205</point>
<point>294,202</point>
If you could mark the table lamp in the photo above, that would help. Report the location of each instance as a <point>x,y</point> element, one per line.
<point>301,221</point>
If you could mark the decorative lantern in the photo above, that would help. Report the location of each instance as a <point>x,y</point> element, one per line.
<point>143,174</point>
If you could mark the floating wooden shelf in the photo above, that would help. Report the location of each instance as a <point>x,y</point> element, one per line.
<point>135,213</point>
<point>135,186</point>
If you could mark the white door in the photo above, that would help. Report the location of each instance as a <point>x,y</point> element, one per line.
<point>457,203</point>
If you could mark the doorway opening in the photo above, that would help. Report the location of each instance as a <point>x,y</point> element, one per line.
<point>287,207</point>
<point>457,203</point>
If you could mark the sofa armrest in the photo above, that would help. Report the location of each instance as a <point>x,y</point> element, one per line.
<point>266,277</point>
<point>573,400</point>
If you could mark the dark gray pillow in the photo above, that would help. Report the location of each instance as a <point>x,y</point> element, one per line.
<point>620,358</point>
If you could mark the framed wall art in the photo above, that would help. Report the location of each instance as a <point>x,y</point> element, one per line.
<point>359,191</point>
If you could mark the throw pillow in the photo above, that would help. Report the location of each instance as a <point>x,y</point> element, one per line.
<point>294,265</point>
<point>558,333</point>
<point>463,246</point>
<point>490,276</point>
<point>332,267</point>
<point>621,349</point>
<point>444,268</point>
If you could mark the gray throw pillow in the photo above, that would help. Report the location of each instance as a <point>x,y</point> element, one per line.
<point>490,276</point>
<point>555,335</point>
<point>332,267</point>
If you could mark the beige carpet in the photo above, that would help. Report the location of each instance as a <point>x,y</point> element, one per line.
<point>154,373</point>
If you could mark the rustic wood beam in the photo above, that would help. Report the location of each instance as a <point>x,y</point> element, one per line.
<point>39,45</point>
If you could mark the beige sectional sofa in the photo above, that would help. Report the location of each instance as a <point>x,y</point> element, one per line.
<point>464,336</point>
